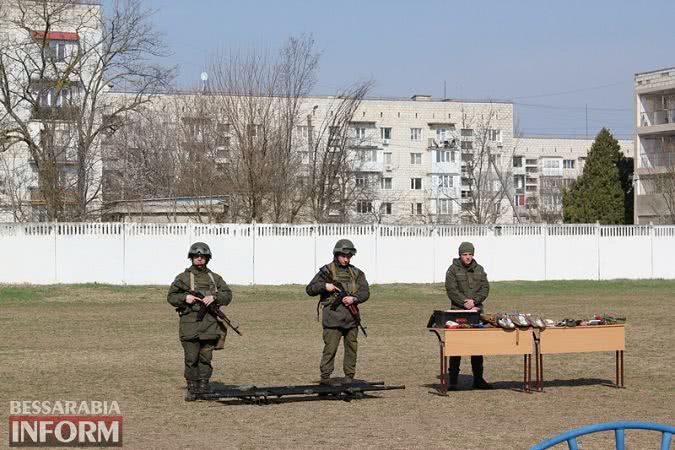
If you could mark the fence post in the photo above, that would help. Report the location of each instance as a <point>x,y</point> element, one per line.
<point>544,231</point>
<point>651,250</point>
<point>253,232</point>
<point>597,243</point>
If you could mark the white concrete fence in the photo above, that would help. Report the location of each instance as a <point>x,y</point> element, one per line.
<point>140,253</point>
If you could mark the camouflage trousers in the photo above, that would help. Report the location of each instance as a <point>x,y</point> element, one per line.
<point>331,340</point>
<point>198,354</point>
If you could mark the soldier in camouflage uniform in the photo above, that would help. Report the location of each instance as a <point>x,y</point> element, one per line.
<point>339,322</point>
<point>198,337</point>
<point>467,287</point>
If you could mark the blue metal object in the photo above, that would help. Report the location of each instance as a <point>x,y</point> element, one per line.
<point>571,436</point>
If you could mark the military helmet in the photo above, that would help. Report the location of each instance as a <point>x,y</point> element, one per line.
<point>344,246</point>
<point>199,248</point>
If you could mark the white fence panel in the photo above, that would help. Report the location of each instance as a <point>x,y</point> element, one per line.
<point>89,252</point>
<point>571,252</point>
<point>155,253</point>
<point>29,254</point>
<point>663,256</point>
<point>621,251</point>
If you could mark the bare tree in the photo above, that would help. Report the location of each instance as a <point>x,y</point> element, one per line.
<point>54,90</point>
<point>486,170</point>
<point>330,188</point>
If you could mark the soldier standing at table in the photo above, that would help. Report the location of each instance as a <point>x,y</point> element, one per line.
<point>467,287</point>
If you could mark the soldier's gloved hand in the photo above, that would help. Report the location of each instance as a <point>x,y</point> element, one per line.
<point>208,300</point>
<point>190,299</point>
<point>331,287</point>
<point>348,300</point>
<point>469,303</point>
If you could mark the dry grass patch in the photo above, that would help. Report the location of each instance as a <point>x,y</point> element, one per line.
<point>120,343</point>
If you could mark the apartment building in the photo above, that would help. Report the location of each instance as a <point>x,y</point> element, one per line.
<point>44,66</point>
<point>654,176</point>
<point>408,158</point>
<point>542,167</point>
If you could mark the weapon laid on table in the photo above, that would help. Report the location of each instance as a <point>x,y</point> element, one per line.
<point>341,294</point>
<point>212,309</point>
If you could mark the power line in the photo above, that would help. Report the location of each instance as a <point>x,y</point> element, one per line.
<point>574,91</point>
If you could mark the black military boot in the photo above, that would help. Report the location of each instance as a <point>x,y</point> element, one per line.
<point>477,369</point>
<point>203,387</point>
<point>190,395</point>
<point>453,372</point>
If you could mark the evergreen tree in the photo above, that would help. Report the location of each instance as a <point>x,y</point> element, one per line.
<point>597,195</point>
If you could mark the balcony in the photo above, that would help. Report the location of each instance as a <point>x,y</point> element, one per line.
<point>657,122</point>
<point>449,142</point>
<point>56,113</point>
<point>37,198</point>
<point>658,162</point>
<point>553,172</point>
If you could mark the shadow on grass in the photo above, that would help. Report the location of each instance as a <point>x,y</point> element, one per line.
<point>464,383</point>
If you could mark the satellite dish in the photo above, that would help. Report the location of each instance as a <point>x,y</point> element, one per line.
<point>204,76</point>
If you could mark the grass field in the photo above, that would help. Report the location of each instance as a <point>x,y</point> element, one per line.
<point>93,342</point>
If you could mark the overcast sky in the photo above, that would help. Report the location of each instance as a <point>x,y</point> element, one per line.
<point>554,60</point>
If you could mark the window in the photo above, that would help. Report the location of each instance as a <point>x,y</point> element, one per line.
<point>416,134</point>
<point>444,156</point>
<point>519,181</point>
<point>386,183</point>
<point>253,130</point>
<point>442,134</point>
<point>519,200</point>
<point>568,164</point>
<point>530,162</point>
<point>416,209</point>
<point>223,141</point>
<point>334,136</point>
<point>387,157</point>
<point>443,206</point>
<point>416,184</point>
<point>385,208</point>
<point>368,156</point>
<point>496,158</point>
<point>466,132</point>
<point>517,161</point>
<point>551,164</point>
<point>304,157</point>
<point>444,181</point>
<point>494,135</point>
<point>415,158</point>
<point>50,97</point>
<point>360,133</point>
<point>303,132</point>
<point>364,207</point>
<point>361,181</point>
<point>58,50</point>
<point>385,133</point>
<point>467,145</point>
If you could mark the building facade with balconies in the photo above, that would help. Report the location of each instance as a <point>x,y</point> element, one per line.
<point>654,174</point>
<point>542,167</point>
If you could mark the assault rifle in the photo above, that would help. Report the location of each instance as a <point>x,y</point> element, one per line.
<point>340,295</point>
<point>212,309</point>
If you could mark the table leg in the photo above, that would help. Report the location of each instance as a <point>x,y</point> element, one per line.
<point>618,383</point>
<point>541,373</point>
<point>536,370</point>
<point>529,373</point>
<point>444,372</point>
<point>622,379</point>
<point>525,385</point>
